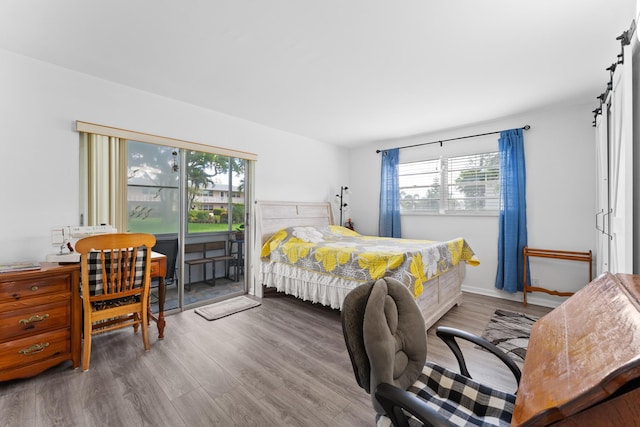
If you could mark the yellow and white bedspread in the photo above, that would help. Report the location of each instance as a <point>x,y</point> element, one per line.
<point>335,253</point>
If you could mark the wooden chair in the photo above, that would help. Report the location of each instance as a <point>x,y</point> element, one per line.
<point>115,276</point>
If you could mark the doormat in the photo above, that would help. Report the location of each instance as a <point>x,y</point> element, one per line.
<point>510,331</point>
<point>226,308</point>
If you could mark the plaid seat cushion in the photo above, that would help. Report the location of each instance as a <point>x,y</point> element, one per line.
<point>96,285</point>
<point>461,400</point>
<point>101,305</point>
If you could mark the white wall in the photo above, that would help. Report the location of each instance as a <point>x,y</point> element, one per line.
<point>560,162</point>
<point>40,184</point>
<point>39,178</point>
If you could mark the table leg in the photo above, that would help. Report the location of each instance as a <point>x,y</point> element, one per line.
<point>161,296</point>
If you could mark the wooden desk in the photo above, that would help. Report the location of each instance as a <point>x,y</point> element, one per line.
<point>159,271</point>
<point>583,361</point>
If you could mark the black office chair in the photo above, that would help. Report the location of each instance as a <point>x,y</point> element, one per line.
<point>386,339</point>
<point>169,248</point>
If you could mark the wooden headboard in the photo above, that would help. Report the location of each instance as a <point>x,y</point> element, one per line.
<point>273,216</point>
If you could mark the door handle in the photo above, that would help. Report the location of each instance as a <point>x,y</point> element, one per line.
<point>598,228</point>
<point>604,223</point>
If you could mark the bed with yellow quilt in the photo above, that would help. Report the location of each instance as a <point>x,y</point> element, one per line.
<point>312,259</point>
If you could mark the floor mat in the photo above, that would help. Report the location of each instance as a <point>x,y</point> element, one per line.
<point>227,307</point>
<point>510,330</point>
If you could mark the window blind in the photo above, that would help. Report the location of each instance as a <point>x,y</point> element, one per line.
<point>469,183</point>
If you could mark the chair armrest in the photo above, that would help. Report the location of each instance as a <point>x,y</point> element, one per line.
<point>394,400</point>
<point>449,335</point>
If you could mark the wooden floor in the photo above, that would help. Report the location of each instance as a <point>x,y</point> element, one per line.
<point>283,363</point>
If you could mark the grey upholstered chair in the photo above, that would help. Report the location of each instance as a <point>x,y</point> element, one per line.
<point>386,338</point>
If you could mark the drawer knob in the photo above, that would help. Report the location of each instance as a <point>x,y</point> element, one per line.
<point>34,318</point>
<point>34,288</point>
<point>34,349</point>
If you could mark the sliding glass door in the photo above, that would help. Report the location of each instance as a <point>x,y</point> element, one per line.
<point>193,202</point>
<point>214,231</point>
<point>208,225</point>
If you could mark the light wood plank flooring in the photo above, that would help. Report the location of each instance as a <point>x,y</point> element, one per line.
<point>283,363</point>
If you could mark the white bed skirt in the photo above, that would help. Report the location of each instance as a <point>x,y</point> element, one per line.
<point>439,295</point>
<point>307,285</point>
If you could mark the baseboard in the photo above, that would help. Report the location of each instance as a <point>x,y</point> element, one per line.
<point>533,298</point>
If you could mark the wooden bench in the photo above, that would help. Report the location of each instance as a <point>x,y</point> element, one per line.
<point>203,249</point>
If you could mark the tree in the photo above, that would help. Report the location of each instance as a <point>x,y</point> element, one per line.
<point>473,181</point>
<point>407,200</point>
<point>432,201</point>
<point>202,167</point>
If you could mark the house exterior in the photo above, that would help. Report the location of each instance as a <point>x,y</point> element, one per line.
<point>216,196</point>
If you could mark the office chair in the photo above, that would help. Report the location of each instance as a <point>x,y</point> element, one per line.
<point>385,335</point>
<point>115,278</point>
<point>169,248</point>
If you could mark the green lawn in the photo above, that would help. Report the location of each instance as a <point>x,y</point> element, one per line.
<point>157,226</point>
<point>209,228</point>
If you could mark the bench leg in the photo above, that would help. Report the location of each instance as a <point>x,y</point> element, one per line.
<point>213,272</point>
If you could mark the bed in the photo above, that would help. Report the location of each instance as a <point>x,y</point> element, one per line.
<point>303,254</point>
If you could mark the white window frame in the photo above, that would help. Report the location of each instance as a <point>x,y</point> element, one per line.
<point>444,200</point>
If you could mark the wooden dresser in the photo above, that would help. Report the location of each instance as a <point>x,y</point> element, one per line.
<point>40,318</point>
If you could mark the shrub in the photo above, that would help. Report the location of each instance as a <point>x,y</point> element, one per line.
<point>200,216</point>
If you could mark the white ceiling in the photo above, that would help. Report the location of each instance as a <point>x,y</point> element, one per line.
<point>341,71</point>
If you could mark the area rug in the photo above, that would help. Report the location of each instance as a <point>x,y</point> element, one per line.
<point>226,308</point>
<point>510,331</point>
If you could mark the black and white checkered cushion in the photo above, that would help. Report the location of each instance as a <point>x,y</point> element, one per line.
<point>460,399</point>
<point>95,269</point>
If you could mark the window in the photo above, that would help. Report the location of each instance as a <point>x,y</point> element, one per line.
<point>134,182</point>
<point>451,184</point>
<point>153,188</point>
<point>209,179</point>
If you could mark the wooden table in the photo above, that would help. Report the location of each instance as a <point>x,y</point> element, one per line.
<point>583,362</point>
<point>159,271</point>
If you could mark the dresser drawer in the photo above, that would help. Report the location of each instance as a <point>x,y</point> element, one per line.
<point>19,289</point>
<point>155,269</point>
<point>35,319</point>
<point>35,348</point>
